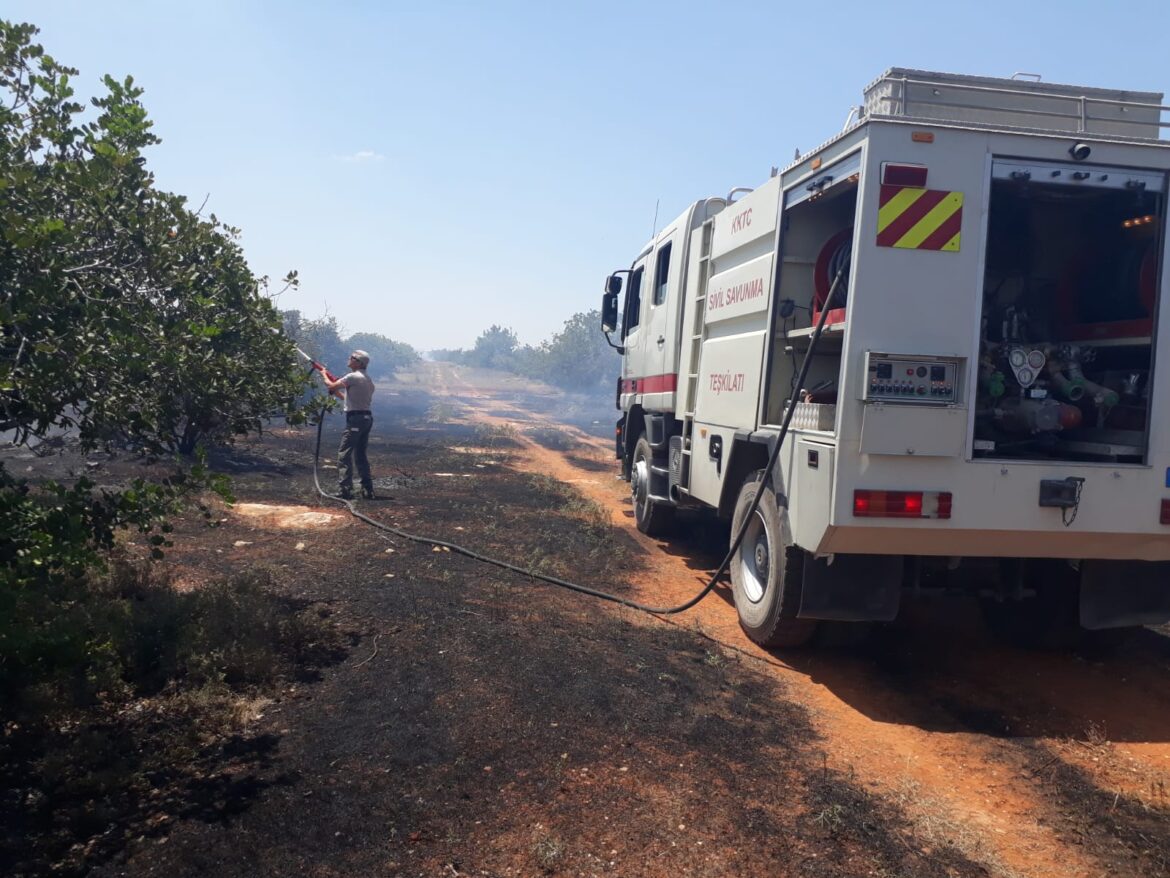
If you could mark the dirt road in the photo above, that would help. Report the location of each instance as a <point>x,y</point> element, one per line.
<point>1033,764</point>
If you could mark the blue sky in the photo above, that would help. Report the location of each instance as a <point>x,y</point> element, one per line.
<point>434,168</point>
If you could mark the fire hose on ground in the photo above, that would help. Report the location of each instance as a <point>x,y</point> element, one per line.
<point>572,586</point>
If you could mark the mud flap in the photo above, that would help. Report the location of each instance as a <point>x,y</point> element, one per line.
<point>854,588</point>
<point>655,430</point>
<point>660,484</point>
<point>1118,594</point>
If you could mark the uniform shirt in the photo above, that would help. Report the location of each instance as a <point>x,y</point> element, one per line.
<point>359,391</point>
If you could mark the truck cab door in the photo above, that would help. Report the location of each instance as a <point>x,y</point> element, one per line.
<point>660,329</point>
<point>634,334</point>
<point>653,369</point>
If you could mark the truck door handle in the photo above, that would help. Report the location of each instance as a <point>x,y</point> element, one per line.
<point>661,340</point>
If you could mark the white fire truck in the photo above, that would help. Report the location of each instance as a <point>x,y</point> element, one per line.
<point>985,407</point>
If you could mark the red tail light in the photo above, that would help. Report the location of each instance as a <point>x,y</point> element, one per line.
<point>902,504</point>
<point>1166,512</point>
<point>910,506</point>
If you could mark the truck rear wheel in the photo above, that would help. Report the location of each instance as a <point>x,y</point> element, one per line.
<point>653,518</point>
<point>766,572</point>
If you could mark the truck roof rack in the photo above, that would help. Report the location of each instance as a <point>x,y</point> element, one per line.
<point>1015,103</point>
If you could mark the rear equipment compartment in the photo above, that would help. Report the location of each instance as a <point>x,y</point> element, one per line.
<point>1070,302</point>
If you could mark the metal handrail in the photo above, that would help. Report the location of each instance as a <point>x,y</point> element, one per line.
<point>1082,101</point>
<point>1029,112</point>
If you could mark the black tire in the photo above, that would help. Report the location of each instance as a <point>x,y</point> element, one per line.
<point>766,572</point>
<point>653,518</point>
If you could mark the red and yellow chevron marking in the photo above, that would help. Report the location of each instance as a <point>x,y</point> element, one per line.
<point>919,219</point>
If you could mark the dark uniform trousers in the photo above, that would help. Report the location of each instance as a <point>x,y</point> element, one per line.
<point>354,442</point>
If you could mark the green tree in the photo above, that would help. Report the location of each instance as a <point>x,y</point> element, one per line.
<point>386,355</point>
<point>448,355</point>
<point>127,314</point>
<point>123,315</point>
<point>531,361</point>
<point>578,357</point>
<point>494,349</point>
<point>319,338</point>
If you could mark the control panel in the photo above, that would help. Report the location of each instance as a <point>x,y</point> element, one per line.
<point>909,378</point>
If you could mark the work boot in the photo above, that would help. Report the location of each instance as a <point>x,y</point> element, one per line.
<point>345,493</point>
<point>368,493</point>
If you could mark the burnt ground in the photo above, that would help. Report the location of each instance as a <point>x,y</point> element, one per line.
<point>479,723</point>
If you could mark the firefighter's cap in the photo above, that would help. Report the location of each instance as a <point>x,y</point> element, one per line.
<point>362,357</point>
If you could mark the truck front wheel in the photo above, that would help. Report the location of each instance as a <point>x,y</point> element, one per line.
<point>653,518</point>
<point>766,572</point>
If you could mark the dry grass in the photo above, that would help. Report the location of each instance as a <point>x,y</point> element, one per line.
<point>548,851</point>
<point>935,823</point>
<point>554,438</point>
<point>495,436</point>
<point>441,413</point>
<point>174,675</point>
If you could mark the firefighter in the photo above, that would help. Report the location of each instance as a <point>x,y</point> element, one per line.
<point>359,394</point>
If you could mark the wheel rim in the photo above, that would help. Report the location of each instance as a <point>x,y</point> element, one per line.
<point>639,485</point>
<point>755,559</point>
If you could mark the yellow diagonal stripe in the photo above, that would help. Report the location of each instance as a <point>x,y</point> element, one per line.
<point>938,215</point>
<point>895,207</point>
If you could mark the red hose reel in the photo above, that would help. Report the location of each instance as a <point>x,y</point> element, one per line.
<point>829,262</point>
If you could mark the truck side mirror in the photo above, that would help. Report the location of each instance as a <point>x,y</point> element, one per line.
<point>609,307</point>
<point>613,284</point>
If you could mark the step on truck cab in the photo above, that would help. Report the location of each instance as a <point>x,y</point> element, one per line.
<point>986,406</point>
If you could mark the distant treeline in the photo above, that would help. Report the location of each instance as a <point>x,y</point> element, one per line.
<point>576,358</point>
<point>321,339</point>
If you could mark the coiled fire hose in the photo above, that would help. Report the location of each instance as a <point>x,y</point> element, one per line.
<point>572,586</point>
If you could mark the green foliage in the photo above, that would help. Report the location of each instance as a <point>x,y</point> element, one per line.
<point>127,633</point>
<point>494,349</point>
<point>447,355</point>
<point>576,358</point>
<point>61,532</point>
<point>125,317</point>
<point>129,316</point>
<point>386,355</point>
<point>321,339</point>
<point>53,542</point>
<point>122,631</point>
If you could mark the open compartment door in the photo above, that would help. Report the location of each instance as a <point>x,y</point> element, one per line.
<point>817,242</point>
